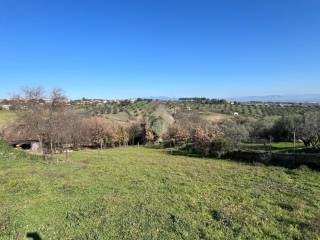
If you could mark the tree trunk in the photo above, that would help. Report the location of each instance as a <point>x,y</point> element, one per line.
<point>306,142</point>
<point>51,146</point>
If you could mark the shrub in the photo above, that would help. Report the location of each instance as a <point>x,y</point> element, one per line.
<point>100,131</point>
<point>281,130</point>
<point>235,133</point>
<point>177,134</point>
<point>149,134</point>
<point>137,133</point>
<point>262,129</point>
<point>121,136</point>
<point>203,138</point>
<point>221,146</point>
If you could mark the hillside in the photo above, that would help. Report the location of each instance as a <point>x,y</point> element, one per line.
<point>141,193</point>
<point>212,110</point>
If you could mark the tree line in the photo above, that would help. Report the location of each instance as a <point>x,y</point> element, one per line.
<point>196,135</point>
<point>58,127</point>
<point>203,100</point>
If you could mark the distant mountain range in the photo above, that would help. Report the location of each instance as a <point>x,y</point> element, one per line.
<point>298,98</point>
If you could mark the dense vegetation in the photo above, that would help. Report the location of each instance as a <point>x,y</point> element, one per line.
<point>59,126</point>
<point>140,193</point>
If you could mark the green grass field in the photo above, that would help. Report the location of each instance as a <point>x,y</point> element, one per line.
<point>6,117</point>
<point>276,146</point>
<point>141,193</point>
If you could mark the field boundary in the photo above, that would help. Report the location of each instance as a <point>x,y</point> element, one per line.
<point>288,160</point>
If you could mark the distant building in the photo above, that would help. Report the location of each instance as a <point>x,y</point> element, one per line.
<point>5,107</point>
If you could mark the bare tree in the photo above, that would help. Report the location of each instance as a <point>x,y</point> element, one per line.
<point>57,98</point>
<point>101,131</point>
<point>204,136</point>
<point>177,133</point>
<point>33,94</point>
<point>45,123</point>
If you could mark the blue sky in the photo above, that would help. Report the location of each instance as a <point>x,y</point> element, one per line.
<point>119,49</point>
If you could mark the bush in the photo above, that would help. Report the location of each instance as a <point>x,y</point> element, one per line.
<point>262,129</point>
<point>115,110</point>
<point>235,133</point>
<point>121,136</point>
<point>177,134</point>
<point>203,138</point>
<point>220,147</point>
<point>137,133</point>
<point>100,131</point>
<point>281,130</point>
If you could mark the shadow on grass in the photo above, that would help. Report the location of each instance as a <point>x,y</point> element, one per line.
<point>288,148</point>
<point>33,236</point>
<point>182,152</point>
<point>303,150</point>
<point>287,160</point>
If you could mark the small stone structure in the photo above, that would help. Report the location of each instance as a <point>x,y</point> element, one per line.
<point>32,145</point>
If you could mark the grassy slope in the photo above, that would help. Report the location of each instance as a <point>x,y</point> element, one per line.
<point>131,193</point>
<point>6,117</point>
<point>215,117</point>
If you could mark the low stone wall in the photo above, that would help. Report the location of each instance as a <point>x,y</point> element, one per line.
<point>295,160</point>
<point>279,159</point>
